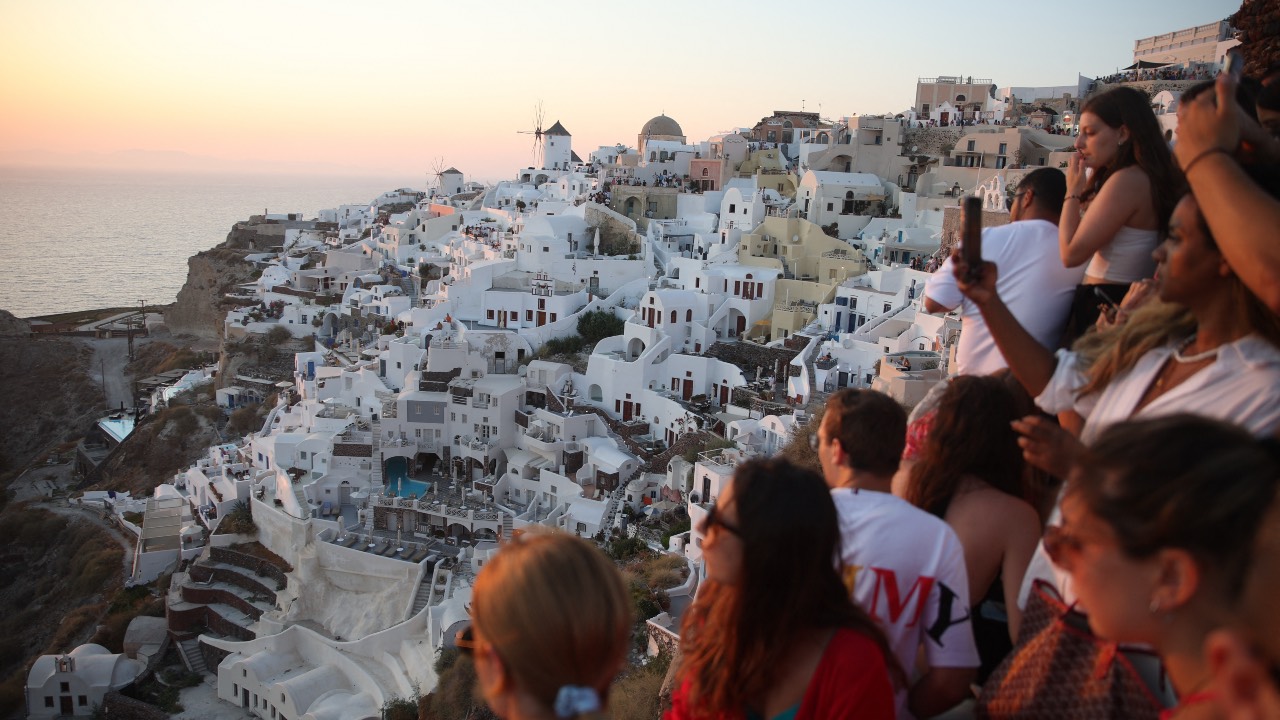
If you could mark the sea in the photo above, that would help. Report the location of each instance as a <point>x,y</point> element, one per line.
<point>85,239</point>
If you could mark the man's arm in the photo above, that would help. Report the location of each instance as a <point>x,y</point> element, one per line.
<point>940,292</point>
<point>935,308</point>
<point>939,690</point>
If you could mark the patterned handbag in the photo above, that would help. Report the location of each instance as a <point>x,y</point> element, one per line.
<point>1059,670</point>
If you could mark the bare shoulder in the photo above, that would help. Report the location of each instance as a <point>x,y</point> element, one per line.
<point>990,508</point>
<point>1129,179</point>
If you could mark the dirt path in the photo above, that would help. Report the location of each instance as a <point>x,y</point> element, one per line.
<point>78,512</point>
<point>110,355</point>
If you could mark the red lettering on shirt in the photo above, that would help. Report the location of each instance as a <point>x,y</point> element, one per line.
<point>887,580</point>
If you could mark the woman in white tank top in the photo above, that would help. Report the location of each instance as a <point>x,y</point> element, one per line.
<point>1121,187</point>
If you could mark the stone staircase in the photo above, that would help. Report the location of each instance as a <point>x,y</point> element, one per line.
<point>423,597</point>
<point>301,494</point>
<point>192,657</point>
<point>614,506</point>
<point>786,269</point>
<point>508,526</point>
<point>375,476</point>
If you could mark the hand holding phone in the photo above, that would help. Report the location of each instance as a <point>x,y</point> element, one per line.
<point>1234,65</point>
<point>971,240</point>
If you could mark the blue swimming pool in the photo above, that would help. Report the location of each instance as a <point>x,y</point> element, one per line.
<point>398,482</point>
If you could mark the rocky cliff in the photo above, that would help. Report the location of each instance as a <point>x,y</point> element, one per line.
<point>201,305</point>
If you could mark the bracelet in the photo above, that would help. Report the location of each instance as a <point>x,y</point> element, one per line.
<point>1186,170</point>
<point>1070,197</point>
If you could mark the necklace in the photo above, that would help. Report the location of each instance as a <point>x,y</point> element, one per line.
<point>1198,357</point>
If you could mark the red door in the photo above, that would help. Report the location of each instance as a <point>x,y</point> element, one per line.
<point>542,318</point>
<point>724,394</point>
<point>688,390</point>
<point>626,411</point>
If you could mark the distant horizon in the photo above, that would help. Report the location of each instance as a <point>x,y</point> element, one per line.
<point>246,86</point>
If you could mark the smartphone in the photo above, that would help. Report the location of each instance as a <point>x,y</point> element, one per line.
<point>1109,307</point>
<point>1234,65</point>
<point>971,240</point>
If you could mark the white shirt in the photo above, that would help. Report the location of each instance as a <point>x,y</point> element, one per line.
<point>1032,282</point>
<point>1242,387</point>
<point>906,568</point>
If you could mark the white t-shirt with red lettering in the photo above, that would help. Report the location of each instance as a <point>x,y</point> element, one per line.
<point>906,568</point>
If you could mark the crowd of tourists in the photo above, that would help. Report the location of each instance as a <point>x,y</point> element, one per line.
<point>1161,73</point>
<point>1082,521</point>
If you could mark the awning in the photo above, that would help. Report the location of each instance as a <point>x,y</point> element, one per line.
<point>1145,65</point>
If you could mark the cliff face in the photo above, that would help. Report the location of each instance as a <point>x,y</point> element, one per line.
<point>201,306</point>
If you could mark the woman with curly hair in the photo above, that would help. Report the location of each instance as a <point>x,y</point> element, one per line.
<point>773,632</point>
<point>970,470</point>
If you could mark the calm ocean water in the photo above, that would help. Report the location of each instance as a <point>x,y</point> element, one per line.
<point>83,239</point>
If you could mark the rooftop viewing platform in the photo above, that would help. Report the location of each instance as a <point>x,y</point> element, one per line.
<point>953,80</point>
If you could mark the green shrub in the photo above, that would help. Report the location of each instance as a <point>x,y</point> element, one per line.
<point>597,325</point>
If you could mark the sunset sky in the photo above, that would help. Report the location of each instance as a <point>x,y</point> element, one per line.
<point>387,86</point>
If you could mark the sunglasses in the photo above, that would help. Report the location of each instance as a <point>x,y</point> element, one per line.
<point>1059,542</point>
<point>714,519</point>
<point>1008,203</point>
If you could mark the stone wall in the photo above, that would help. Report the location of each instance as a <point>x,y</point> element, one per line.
<point>951,225</point>
<point>261,567</point>
<point>937,141</point>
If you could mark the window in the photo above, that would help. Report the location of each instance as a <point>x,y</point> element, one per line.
<point>970,145</point>
<point>489,314</point>
<point>704,172</point>
<point>48,701</point>
<point>302,455</point>
<point>732,208</point>
<point>64,687</point>
<point>886,307</point>
<point>1004,147</point>
<point>830,207</point>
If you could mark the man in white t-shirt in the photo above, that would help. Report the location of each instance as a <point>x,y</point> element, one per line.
<point>1032,280</point>
<point>905,566</point>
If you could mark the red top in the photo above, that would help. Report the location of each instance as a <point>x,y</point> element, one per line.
<point>851,681</point>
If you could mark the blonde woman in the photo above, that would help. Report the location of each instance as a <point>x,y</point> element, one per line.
<point>551,620</point>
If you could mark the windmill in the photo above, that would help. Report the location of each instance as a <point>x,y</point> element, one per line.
<point>537,133</point>
<point>437,171</point>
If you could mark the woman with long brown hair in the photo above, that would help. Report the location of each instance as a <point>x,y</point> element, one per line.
<point>773,632</point>
<point>970,470</point>
<point>1157,525</point>
<point>1118,212</point>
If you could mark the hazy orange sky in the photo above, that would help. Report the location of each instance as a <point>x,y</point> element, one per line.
<point>387,87</point>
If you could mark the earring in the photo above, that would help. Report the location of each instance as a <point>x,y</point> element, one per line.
<point>1154,607</point>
